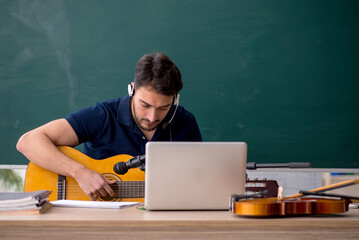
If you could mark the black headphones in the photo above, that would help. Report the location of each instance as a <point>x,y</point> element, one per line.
<point>131,91</point>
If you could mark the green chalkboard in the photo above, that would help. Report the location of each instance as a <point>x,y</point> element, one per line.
<point>281,75</point>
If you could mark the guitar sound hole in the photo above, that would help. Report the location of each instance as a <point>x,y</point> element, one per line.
<point>115,188</point>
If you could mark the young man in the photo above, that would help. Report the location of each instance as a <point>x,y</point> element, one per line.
<point>119,126</point>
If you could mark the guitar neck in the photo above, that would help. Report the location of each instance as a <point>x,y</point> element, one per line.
<point>129,189</point>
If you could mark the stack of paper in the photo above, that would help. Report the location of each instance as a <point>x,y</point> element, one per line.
<point>24,202</point>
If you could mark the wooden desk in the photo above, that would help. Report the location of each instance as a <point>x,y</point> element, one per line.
<point>132,223</point>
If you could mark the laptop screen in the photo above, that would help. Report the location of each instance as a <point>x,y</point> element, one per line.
<point>194,175</point>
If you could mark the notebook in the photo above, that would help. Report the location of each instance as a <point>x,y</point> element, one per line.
<point>194,175</point>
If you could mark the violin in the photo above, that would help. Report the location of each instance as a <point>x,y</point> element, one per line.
<point>293,205</point>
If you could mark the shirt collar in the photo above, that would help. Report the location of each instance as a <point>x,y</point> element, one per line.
<point>124,114</point>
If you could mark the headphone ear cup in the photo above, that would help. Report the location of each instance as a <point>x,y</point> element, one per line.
<point>130,90</point>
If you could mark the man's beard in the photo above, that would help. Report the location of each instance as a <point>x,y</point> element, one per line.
<point>138,121</point>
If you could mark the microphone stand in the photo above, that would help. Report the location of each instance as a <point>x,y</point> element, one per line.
<point>250,165</point>
<point>254,166</point>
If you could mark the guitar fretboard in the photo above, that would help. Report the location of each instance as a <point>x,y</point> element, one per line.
<point>130,189</point>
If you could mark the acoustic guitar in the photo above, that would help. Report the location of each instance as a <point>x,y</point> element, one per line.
<point>128,187</point>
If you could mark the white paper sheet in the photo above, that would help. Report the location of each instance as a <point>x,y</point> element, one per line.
<point>92,204</point>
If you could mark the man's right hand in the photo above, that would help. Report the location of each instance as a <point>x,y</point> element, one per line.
<point>94,184</point>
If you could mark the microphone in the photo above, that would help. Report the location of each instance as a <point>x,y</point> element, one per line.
<point>165,125</point>
<point>123,167</point>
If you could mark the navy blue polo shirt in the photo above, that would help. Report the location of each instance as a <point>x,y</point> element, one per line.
<point>108,129</point>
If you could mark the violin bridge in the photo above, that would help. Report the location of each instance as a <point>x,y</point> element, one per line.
<point>280,193</point>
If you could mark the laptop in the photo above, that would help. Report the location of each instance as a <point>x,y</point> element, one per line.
<point>194,175</point>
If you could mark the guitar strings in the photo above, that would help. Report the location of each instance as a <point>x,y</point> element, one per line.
<point>125,185</point>
<point>125,189</point>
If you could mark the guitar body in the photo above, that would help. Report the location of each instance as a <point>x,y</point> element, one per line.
<point>38,178</point>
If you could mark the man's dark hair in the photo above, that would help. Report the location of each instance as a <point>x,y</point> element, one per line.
<point>158,72</point>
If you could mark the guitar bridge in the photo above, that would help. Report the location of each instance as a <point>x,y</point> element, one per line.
<point>61,187</point>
